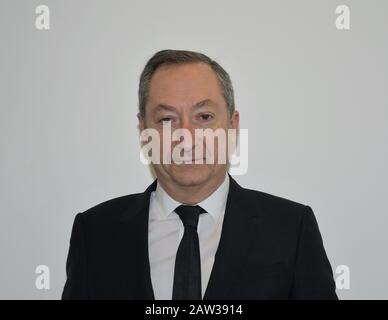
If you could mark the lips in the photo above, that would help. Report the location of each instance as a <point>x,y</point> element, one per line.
<point>192,160</point>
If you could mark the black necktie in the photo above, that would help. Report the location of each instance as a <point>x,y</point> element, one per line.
<point>187,273</point>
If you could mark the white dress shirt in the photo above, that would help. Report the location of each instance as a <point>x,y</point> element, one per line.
<point>166,231</point>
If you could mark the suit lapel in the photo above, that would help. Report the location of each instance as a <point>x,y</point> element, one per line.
<point>137,216</point>
<point>237,232</point>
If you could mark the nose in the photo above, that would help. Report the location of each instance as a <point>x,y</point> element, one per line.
<point>186,125</point>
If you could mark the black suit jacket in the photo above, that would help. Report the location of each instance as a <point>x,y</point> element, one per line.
<point>270,248</point>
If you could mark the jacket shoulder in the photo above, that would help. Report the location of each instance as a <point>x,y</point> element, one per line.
<point>111,209</point>
<point>272,199</point>
<point>274,206</point>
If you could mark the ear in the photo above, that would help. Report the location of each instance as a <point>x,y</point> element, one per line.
<point>141,124</point>
<point>235,120</point>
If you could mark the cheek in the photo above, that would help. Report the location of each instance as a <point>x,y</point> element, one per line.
<point>218,146</point>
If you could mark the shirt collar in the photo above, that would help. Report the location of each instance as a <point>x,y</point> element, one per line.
<point>214,204</point>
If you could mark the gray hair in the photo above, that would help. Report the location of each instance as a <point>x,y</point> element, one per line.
<point>168,57</point>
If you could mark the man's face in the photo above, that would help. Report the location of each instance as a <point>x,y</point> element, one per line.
<point>187,96</point>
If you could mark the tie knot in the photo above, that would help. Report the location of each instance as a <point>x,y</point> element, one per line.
<point>189,215</point>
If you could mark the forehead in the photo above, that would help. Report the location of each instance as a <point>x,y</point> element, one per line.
<point>182,84</point>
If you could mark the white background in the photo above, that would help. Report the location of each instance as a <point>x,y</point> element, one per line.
<point>313,98</point>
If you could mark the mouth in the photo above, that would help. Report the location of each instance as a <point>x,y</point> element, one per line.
<point>192,161</point>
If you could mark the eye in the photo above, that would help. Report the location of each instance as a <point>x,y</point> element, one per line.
<point>206,116</point>
<point>165,119</point>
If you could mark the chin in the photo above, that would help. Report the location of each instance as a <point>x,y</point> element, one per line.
<point>188,175</point>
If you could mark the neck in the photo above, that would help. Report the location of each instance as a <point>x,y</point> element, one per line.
<point>192,194</point>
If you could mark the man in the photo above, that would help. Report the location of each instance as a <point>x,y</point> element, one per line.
<point>195,233</point>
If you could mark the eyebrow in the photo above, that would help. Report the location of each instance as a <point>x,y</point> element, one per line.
<point>172,108</point>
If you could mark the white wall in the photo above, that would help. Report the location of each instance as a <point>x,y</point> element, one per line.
<point>314,99</point>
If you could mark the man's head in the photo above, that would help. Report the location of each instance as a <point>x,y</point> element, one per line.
<point>190,91</point>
